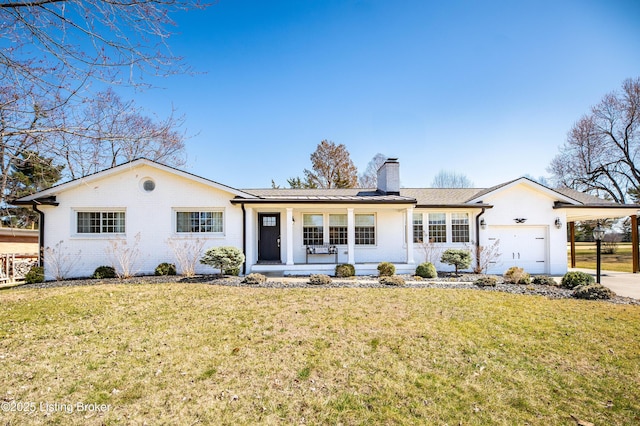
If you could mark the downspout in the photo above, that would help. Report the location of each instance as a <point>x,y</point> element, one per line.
<point>478,238</point>
<point>41,237</point>
<point>244,239</point>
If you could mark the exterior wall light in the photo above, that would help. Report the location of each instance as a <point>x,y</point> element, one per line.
<point>558,223</point>
<point>520,219</point>
<point>483,224</point>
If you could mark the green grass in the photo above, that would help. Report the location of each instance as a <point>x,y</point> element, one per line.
<point>200,354</point>
<point>620,261</point>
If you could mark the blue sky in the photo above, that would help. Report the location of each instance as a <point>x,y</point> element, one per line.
<point>488,89</point>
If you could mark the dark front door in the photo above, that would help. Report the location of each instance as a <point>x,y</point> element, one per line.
<point>269,237</point>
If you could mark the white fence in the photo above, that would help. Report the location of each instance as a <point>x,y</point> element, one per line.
<point>14,266</point>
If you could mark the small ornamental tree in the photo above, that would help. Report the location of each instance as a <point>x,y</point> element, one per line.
<point>226,259</point>
<point>461,259</point>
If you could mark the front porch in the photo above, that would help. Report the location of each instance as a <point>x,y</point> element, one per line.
<point>282,269</point>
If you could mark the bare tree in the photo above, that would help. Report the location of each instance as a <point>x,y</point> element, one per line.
<point>108,131</point>
<point>187,254</point>
<point>369,179</point>
<point>115,41</point>
<point>54,49</point>
<point>432,251</point>
<point>601,150</point>
<point>450,179</point>
<point>332,167</point>
<point>85,136</point>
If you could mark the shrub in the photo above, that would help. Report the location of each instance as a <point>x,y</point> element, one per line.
<point>459,258</point>
<point>254,279</point>
<point>319,279</point>
<point>386,269</point>
<point>165,269</point>
<point>35,275</point>
<point>345,270</point>
<point>544,280</point>
<point>486,282</point>
<point>392,280</point>
<point>574,279</point>
<point>227,259</point>
<point>516,275</point>
<point>232,271</point>
<point>593,292</point>
<point>102,272</point>
<point>426,270</point>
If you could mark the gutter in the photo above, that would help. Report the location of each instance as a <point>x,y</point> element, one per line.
<point>34,206</point>
<point>478,238</point>
<point>244,239</point>
<point>49,201</point>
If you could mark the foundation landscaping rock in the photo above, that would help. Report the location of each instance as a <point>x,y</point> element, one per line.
<point>443,281</point>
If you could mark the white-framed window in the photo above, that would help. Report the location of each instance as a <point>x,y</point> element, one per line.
<point>199,221</point>
<point>437,227</point>
<point>338,229</point>
<point>100,222</point>
<point>312,229</point>
<point>418,228</point>
<point>460,227</point>
<point>365,227</point>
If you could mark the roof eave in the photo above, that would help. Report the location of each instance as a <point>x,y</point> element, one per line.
<point>455,206</point>
<point>560,205</point>
<point>42,201</point>
<point>302,201</point>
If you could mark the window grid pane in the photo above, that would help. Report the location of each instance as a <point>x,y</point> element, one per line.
<point>418,228</point>
<point>437,228</point>
<point>312,236</point>
<point>100,222</point>
<point>365,229</point>
<point>338,235</point>
<point>312,230</point>
<point>206,221</point>
<point>338,229</point>
<point>460,227</point>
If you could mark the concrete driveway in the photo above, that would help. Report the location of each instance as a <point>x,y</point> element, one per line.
<point>623,284</point>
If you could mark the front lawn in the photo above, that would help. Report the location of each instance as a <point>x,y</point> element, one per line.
<point>204,354</point>
<point>621,260</point>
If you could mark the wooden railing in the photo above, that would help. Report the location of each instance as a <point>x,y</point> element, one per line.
<point>15,266</point>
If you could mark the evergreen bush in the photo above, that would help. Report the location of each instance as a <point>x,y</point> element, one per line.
<point>319,279</point>
<point>544,280</point>
<point>426,270</point>
<point>227,259</point>
<point>593,292</point>
<point>516,275</point>
<point>459,258</point>
<point>486,282</point>
<point>103,272</point>
<point>574,279</point>
<point>165,269</point>
<point>392,280</point>
<point>345,270</point>
<point>35,275</point>
<point>386,269</point>
<point>254,279</point>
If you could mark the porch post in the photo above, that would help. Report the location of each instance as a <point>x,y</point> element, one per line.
<point>409,231</point>
<point>572,239</point>
<point>289,236</point>
<point>351,237</point>
<point>634,243</point>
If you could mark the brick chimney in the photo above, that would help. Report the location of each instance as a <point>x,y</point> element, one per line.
<point>389,177</point>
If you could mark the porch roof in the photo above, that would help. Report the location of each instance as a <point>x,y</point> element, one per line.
<point>419,197</point>
<point>342,195</point>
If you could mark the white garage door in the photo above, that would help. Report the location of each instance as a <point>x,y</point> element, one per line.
<point>523,246</point>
